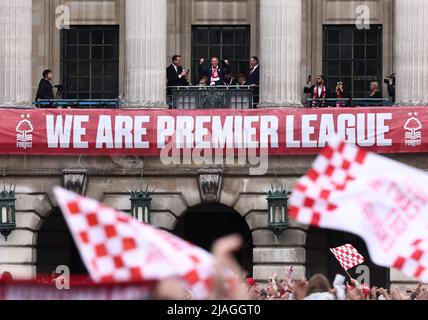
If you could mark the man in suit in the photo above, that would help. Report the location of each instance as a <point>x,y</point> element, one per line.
<point>318,92</point>
<point>45,90</point>
<point>175,73</point>
<point>253,78</point>
<point>215,73</point>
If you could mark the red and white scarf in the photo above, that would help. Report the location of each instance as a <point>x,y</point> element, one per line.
<point>323,93</point>
<point>214,76</point>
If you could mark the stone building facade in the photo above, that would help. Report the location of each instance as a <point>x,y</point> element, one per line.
<point>288,38</point>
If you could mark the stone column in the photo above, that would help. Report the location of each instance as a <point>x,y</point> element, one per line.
<point>145,53</point>
<point>411,47</point>
<point>15,53</point>
<point>280,48</point>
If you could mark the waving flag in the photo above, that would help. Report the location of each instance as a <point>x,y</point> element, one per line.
<point>117,248</point>
<point>348,256</point>
<point>381,200</point>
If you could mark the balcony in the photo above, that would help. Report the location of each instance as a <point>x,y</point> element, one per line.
<point>347,102</point>
<point>219,97</point>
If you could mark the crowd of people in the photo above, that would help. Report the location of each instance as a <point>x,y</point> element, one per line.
<point>319,288</point>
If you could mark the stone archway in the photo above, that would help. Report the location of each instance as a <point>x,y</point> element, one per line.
<point>55,246</point>
<point>204,224</point>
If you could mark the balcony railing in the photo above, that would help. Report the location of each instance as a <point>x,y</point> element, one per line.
<point>347,102</point>
<point>79,104</point>
<point>219,97</point>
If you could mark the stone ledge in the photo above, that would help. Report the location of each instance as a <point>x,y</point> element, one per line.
<point>289,238</point>
<point>19,272</point>
<point>14,255</point>
<point>277,255</point>
<point>18,238</point>
<point>263,272</point>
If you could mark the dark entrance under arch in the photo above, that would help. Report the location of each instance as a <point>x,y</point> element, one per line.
<point>203,225</point>
<point>319,259</point>
<point>56,247</point>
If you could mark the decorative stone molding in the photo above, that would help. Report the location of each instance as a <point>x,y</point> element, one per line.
<point>210,181</point>
<point>75,180</point>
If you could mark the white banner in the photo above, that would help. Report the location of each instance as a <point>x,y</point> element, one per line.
<point>381,200</point>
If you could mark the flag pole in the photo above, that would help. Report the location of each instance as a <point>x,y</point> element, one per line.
<point>348,274</point>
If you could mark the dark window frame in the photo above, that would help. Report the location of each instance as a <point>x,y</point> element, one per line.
<point>104,51</point>
<point>241,39</point>
<point>351,58</point>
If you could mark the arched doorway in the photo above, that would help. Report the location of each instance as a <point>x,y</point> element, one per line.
<point>319,259</point>
<point>56,247</point>
<point>203,225</point>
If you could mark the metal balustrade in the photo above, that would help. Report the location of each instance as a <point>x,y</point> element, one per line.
<point>347,102</point>
<point>218,97</point>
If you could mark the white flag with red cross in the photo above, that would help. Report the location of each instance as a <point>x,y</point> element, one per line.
<point>381,200</point>
<point>347,256</point>
<point>118,249</point>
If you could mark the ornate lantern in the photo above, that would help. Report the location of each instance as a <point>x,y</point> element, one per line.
<point>141,202</point>
<point>7,212</point>
<point>278,209</point>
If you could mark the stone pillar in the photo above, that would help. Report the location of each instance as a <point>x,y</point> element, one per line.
<point>145,53</point>
<point>15,53</point>
<point>280,53</point>
<point>411,47</point>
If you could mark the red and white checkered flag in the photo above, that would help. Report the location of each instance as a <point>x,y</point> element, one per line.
<point>118,249</point>
<point>347,256</point>
<point>381,200</point>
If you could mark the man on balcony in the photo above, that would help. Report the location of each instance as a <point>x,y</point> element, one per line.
<point>175,73</point>
<point>253,78</point>
<point>319,92</point>
<point>45,90</point>
<point>214,73</point>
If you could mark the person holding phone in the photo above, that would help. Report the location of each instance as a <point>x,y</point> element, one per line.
<point>177,76</point>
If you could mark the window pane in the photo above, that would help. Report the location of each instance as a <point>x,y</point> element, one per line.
<point>71,37</point>
<point>371,68</point>
<point>83,84</point>
<point>346,36</point>
<point>109,37</point>
<point>71,84</point>
<point>202,36</point>
<point>215,36</point>
<point>71,53</point>
<point>241,53</point>
<point>97,53</point>
<point>97,69</point>
<point>109,53</point>
<point>215,51</point>
<point>372,52</point>
<point>71,69</point>
<point>228,53</point>
<point>359,52</point>
<point>84,95</point>
<point>202,52</point>
<point>371,36</point>
<point>333,69</point>
<point>346,68</point>
<point>84,69</point>
<point>110,69</point>
<point>346,52</point>
<point>228,37</point>
<point>333,36</point>
<point>84,53</point>
<point>360,37</point>
<point>97,84</point>
<point>333,52</point>
<point>359,85</point>
<point>359,68</point>
<point>240,37</point>
<point>84,37</point>
<point>109,84</point>
<point>97,37</point>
